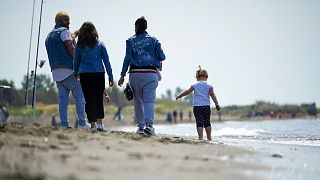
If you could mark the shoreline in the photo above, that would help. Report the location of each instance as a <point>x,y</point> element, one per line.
<point>37,152</point>
<point>159,120</point>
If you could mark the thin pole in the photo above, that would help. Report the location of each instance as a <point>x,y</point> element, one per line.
<point>36,65</point>
<point>28,69</point>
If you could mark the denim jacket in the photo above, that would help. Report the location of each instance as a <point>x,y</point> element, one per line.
<point>142,50</point>
<point>58,53</point>
<point>92,60</point>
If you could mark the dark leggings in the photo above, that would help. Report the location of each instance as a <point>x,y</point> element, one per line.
<point>93,85</point>
<point>202,115</point>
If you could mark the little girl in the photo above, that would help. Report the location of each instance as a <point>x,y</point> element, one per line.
<point>201,102</point>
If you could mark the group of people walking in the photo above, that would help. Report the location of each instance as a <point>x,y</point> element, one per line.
<point>79,61</point>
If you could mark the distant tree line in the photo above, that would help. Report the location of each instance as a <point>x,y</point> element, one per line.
<point>169,95</point>
<point>46,93</point>
<point>262,108</point>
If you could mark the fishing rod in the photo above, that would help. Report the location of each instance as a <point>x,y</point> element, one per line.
<point>36,65</point>
<point>28,68</point>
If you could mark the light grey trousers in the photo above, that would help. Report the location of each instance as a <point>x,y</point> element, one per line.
<point>144,87</point>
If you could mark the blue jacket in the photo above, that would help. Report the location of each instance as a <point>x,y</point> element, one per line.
<point>58,53</point>
<point>142,50</point>
<point>92,60</point>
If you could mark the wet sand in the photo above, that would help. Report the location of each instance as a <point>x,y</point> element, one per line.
<point>37,152</point>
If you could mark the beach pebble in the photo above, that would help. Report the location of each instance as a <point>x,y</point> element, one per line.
<point>54,146</point>
<point>94,157</point>
<point>134,155</point>
<point>276,156</point>
<point>63,136</point>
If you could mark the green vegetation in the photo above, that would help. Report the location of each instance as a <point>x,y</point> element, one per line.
<point>20,110</point>
<point>262,108</point>
<point>163,106</point>
<point>47,99</point>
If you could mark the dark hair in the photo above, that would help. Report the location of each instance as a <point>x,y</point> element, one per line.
<point>141,25</point>
<point>88,35</point>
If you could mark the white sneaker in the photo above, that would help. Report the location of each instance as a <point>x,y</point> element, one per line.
<point>141,132</point>
<point>86,126</point>
<point>100,127</point>
<point>149,130</point>
<point>93,130</point>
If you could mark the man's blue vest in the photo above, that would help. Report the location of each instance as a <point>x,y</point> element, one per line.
<point>58,53</point>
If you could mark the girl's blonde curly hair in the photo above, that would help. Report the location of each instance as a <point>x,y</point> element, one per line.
<point>201,73</point>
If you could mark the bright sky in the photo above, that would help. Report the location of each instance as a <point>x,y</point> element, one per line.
<point>253,49</point>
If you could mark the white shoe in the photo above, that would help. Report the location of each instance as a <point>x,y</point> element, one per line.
<point>93,130</point>
<point>100,127</point>
<point>149,130</point>
<point>86,126</point>
<point>141,132</point>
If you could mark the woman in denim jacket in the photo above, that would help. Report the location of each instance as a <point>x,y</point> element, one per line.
<point>91,61</point>
<point>144,55</point>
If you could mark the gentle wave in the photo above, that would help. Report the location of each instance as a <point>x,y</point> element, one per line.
<point>294,132</point>
<point>296,142</point>
<point>237,132</point>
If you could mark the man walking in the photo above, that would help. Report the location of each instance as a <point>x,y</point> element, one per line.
<point>60,49</point>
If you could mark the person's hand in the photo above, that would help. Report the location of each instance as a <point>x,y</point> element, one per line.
<point>107,98</point>
<point>75,34</point>
<point>106,95</point>
<point>120,81</point>
<point>78,78</point>
<point>217,107</point>
<point>111,83</point>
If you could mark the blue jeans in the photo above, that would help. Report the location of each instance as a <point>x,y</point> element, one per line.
<point>64,88</point>
<point>144,87</point>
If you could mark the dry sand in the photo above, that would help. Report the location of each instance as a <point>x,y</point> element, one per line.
<point>36,152</point>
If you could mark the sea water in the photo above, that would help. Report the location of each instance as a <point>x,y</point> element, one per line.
<point>290,147</point>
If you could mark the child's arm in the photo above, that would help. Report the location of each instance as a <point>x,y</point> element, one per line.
<point>214,98</point>
<point>184,93</point>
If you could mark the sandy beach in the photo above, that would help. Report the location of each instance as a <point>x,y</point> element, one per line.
<point>36,152</point>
